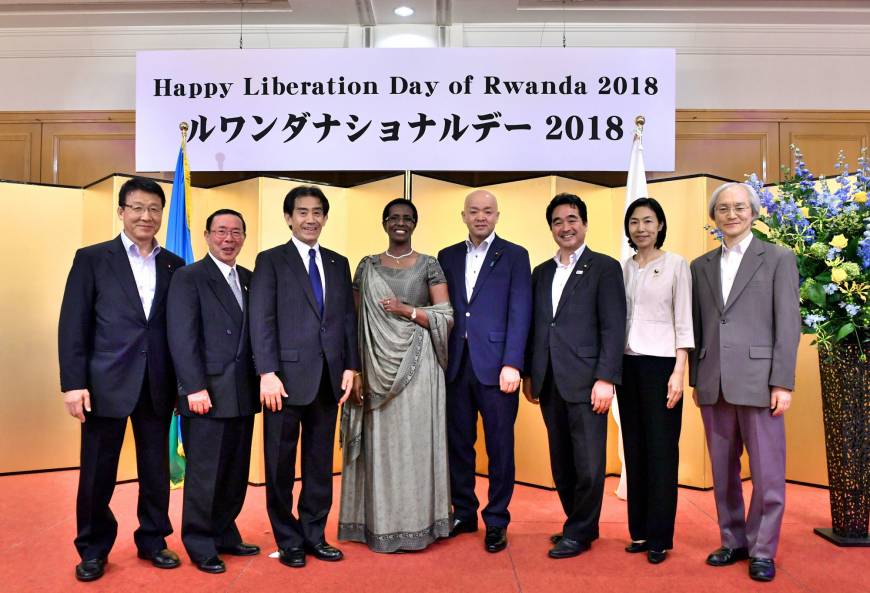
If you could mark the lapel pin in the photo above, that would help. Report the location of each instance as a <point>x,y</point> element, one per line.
<point>579,272</point>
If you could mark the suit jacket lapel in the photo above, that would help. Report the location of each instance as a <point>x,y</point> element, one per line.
<point>547,288</point>
<point>581,267</point>
<point>244,281</point>
<point>222,291</point>
<point>492,256</point>
<point>120,263</point>
<point>460,254</point>
<point>713,273</point>
<point>164,272</point>
<point>330,277</point>
<point>750,263</point>
<point>297,266</point>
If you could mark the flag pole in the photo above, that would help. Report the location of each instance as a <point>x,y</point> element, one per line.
<point>635,188</point>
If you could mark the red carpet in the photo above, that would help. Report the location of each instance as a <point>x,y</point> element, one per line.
<point>37,526</point>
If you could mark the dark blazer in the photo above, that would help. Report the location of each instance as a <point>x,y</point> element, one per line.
<point>748,344</point>
<point>288,335</point>
<point>209,340</point>
<point>104,339</point>
<point>498,315</point>
<point>585,339</point>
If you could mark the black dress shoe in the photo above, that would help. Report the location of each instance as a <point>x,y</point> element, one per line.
<point>90,570</point>
<point>213,565</point>
<point>656,556</point>
<point>460,526</point>
<point>555,538</point>
<point>164,558</point>
<point>727,556</point>
<point>323,551</point>
<point>496,539</point>
<point>637,547</point>
<point>762,569</point>
<point>567,548</point>
<point>293,557</point>
<point>240,549</point>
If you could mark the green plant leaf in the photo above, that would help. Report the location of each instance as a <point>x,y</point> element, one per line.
<point>816,294</point>
<point>845,330</point>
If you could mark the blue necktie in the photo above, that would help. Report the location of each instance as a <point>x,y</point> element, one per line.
<point>314,277</point>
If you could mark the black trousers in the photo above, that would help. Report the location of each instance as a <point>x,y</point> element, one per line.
<point>651,440</point>
<point>218,452</point>
<point>466,396</point>
<point>281,434</point>
<point>100,452</point>
<point>578,439</point>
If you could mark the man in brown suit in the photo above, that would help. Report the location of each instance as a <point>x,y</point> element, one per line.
<point>745,301</point>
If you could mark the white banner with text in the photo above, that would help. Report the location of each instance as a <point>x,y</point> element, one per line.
<point>465,109</point>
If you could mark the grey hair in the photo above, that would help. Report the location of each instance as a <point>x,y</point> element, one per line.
<point>754,200</point>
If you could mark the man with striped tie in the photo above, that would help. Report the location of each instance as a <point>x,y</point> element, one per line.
<point>207,321</point>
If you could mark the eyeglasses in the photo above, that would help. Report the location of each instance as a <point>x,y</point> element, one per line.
<point>140,210</point>
<point>222,233</point>
<point>739,209</point>
<point>395,218</point>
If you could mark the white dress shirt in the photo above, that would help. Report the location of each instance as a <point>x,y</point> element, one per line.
<point>303,253</point>
<point>144,271</point>
<point>563,272</point>
<point>474,257</point>
<point>225,272</point>
<point>730,263</point>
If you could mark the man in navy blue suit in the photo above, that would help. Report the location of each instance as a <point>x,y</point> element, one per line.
<point>489,280</point>
<point>114,365</point>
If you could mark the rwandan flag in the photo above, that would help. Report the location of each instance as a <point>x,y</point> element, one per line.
<point>178,242</point>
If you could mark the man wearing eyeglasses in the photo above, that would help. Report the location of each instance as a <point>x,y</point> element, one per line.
<point>114,365</point>
<point>218,393</point>
<point>746,313</point>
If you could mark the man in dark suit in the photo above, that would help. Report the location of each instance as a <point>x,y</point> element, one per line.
<point>114,365</point>
<point>303,334</point>
<point>574,360</point>
<point>746,312</point>
<point>489,280</point>
<point>219,396</point>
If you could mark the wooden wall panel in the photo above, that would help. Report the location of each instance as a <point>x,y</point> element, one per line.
<point>79,153</point>
<point>727,149</point>
<point>20,151</point>
<point>821,142</point>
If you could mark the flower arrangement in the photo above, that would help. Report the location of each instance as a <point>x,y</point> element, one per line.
<point>828,228</point>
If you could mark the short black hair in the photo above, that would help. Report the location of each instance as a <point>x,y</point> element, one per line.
<point>653,205</point>
<point>303,191</point>
<point>221,212</point>
<point>566,199</point>
<point>142,184</point>
<point>399,202</point>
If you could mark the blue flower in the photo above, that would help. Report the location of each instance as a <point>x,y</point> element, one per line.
<point>814,320</point>
<point>832,253</point>
<point>831,288</point>
<point>851,310</point>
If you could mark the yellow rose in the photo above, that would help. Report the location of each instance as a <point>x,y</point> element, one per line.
<point>838,275</point>
<point>805,211</point>
<point>860,197</point>
<point>839,242</point>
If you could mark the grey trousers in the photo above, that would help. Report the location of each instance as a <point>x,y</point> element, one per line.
<point>728,428</point>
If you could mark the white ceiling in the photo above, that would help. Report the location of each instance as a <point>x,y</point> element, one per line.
<point>52,13</point>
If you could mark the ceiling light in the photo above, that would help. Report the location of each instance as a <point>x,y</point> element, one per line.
<point>403,11</point>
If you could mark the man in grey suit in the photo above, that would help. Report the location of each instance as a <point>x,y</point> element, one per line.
<point>746,315</point>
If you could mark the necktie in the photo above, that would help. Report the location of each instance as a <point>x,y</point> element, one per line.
<point>234,285</point>
<point>314,277</point>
